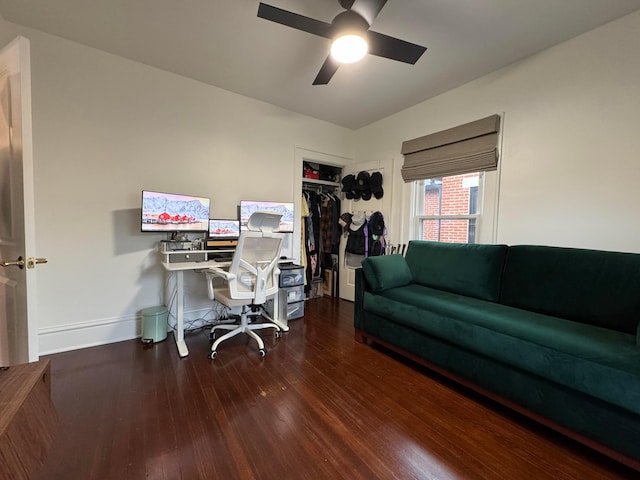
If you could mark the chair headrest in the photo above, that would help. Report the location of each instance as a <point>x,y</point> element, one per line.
<point>262,221</point>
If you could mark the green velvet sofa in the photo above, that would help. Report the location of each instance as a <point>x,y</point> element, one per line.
<point>551,332</point>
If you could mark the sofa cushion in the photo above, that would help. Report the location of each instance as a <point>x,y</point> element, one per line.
<point>588,286</point>
<point>467,269</point>
<point>596,361</point>
<point>385,272</point>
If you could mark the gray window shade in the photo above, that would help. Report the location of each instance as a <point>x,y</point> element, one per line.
<point>471,147</point>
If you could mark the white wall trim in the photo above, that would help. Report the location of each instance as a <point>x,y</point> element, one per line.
<point>74,336</point>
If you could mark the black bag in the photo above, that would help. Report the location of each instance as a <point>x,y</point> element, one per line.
<point>377,231</point>
<point>376,224</point>
<point>356,240</point>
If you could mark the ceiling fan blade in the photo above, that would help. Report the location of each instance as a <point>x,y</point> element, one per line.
<point>329,67</point>
<point>368,9</point>
<point>293,20</point>
<point>393,48</point>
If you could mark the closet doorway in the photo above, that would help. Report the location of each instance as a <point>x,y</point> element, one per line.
<point>346,273</point>
<point>318,191</point>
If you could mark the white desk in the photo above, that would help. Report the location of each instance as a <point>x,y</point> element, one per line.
<point>179,268</point>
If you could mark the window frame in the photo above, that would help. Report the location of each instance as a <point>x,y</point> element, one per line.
<point>417,208</point>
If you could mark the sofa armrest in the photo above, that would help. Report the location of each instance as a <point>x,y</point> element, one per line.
<point>385,272</point>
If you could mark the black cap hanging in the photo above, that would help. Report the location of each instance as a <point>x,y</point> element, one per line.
<point>363,185</point>
<point>376,185</point>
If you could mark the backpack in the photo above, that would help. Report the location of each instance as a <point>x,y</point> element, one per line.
<point>356,240</point>
<point>377,231</point>
<point>369,238</point>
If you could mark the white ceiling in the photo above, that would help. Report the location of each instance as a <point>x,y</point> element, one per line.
<point>224,43</point>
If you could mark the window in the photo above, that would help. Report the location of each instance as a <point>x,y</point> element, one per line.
<point>447,209</point>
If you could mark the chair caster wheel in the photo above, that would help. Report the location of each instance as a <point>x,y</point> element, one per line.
<point>278,333</point>
<point>262,352</point>
<point>213,355</point>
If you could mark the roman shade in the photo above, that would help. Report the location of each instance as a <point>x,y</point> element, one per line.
<point>472,147</point>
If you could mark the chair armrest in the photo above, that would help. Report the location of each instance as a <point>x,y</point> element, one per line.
<point>212,273</point>
<point>219,272</point>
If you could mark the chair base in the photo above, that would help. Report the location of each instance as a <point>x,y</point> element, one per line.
<point>243,327</point>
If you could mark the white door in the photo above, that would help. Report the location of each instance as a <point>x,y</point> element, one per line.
<point>18,333</point>
<point>347,268</point>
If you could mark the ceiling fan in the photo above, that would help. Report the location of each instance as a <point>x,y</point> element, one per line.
<point>351,25</point>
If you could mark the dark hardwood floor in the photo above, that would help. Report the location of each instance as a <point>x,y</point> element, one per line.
<point>318,406</point>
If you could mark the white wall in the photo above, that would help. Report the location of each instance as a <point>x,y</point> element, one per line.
<point>105,128</point>
<point>570,164</point>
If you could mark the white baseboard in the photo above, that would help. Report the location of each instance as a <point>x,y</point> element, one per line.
<point>73,336</point>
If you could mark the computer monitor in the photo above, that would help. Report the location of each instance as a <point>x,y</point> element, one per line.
<point>247,207</point>
<point>170,212</point>
<point>224,229</point>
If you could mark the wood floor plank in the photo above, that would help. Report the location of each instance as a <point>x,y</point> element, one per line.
<point>318,406</point>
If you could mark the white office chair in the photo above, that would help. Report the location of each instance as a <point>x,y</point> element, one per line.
<point>250,280</point>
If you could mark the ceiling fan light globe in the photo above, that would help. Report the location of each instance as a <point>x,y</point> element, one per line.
<point>349,48</point>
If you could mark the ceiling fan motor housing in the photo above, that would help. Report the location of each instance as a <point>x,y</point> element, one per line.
<point>346,4</point>
<point>349,22</point>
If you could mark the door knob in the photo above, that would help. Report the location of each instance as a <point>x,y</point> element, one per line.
<point>19,263</point>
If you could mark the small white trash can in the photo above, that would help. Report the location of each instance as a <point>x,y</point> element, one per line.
<point>154,324</point>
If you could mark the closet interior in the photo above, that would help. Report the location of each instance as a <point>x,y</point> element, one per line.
<point>321,232</point>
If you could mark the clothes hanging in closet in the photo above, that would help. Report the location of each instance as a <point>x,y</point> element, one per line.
<point>303,235</point>
<point>322,232</point>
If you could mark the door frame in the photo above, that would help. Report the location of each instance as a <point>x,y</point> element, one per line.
<point>305,155</point>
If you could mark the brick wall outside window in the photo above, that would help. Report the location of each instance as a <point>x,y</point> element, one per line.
<point>452,198</point>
